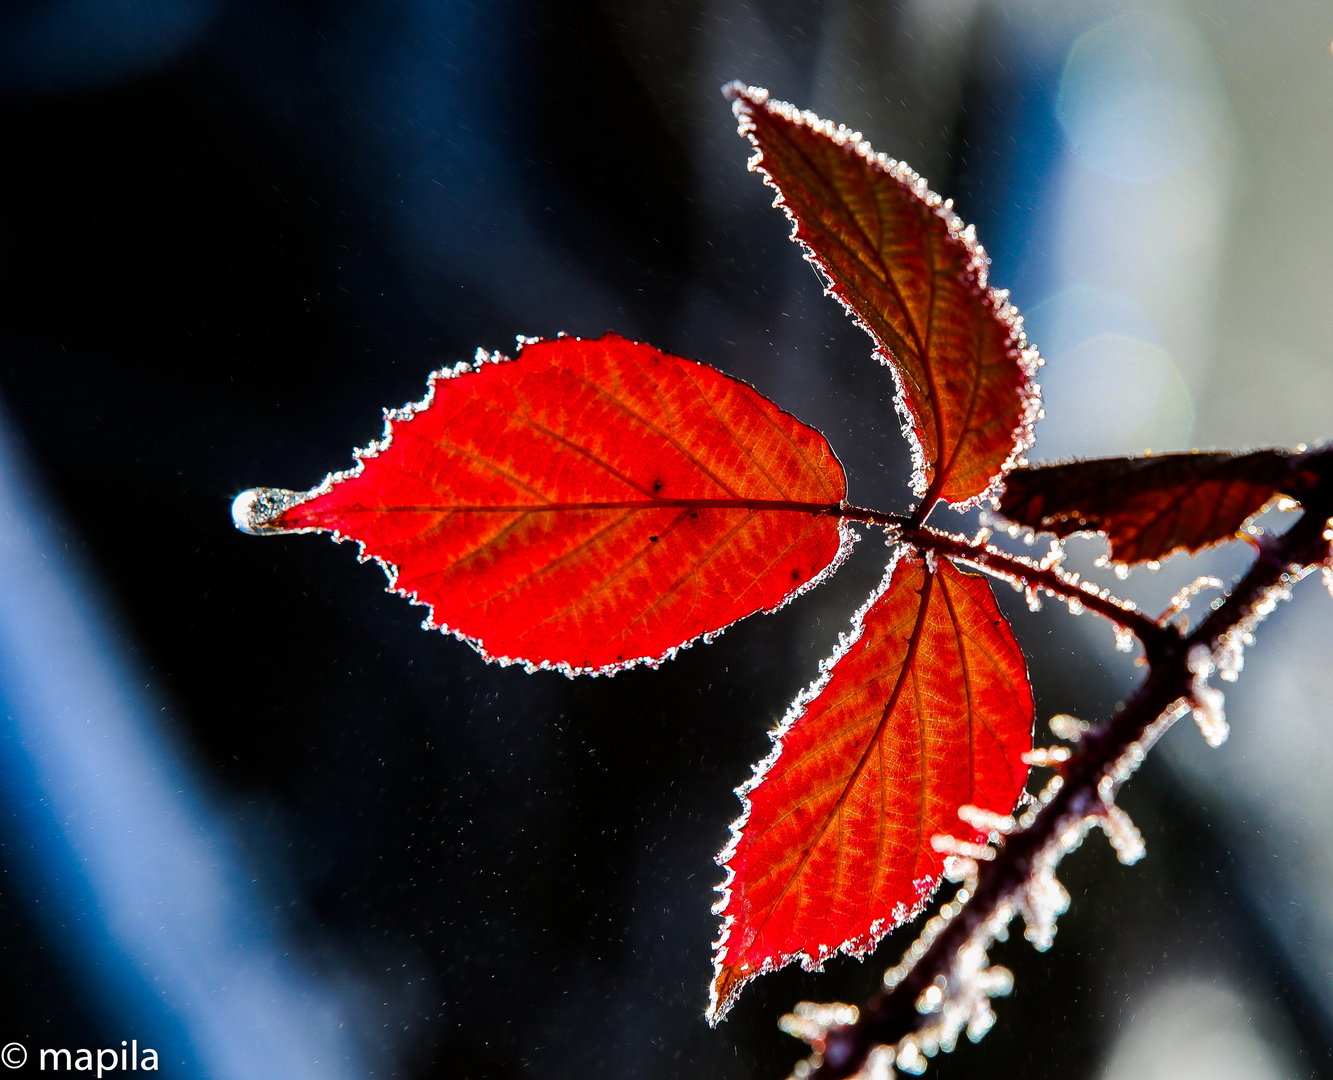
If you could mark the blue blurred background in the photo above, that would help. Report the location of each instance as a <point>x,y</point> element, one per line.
<point>253,817</point>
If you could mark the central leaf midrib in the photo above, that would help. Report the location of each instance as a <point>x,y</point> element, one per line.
<point>913,644</point>
<point>773,505</point>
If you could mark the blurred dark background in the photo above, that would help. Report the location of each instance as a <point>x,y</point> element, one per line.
<point>257,819</point>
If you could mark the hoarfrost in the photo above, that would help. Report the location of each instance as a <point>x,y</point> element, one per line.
<point>1047,757</point>
<point>811,1021</point>
<point>1066,727</point>
<point>1055,555</point>
<point>1181,601</point>
<point>986,821</point>
<point>1229,656</point>
<point>1124,836</point>
<point>1207,700</point>
<point>951,845</point>
<point>909,1058</point>
<point>1042,900</point>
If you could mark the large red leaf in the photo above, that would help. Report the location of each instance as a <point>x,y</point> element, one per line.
<point>1151,506</point>
<point>585,506</point>
<point>900,260</point>
<point>927,710</point>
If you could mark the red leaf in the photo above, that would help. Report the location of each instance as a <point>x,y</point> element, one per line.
<point>928,709</point>
<point>586,506</point>
<point>904,265</point>
<point>1152,506</point>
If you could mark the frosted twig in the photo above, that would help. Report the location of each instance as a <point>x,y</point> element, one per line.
<point>909,1020</point>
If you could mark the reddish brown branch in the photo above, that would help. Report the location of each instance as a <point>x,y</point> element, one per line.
<point>1027,572</point>
<point>1281,559</point>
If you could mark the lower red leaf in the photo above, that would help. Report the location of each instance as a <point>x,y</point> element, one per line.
<point>928,709</point>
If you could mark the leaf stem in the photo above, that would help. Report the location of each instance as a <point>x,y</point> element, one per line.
<point>1016,569</point>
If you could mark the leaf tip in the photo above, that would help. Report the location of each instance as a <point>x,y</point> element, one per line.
<point>728,980</point>
<point>255,510</point>
<point>737,91</point>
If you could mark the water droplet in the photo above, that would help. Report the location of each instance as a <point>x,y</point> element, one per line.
<point>252,510</point>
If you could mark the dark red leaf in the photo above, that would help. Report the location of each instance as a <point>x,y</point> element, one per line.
<point>927,710</point>
<point>1151,506</point>
<point>900,260</point>
<point>585,506</point>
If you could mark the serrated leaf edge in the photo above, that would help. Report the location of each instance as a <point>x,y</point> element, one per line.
<point>718,1007</point>
<point>1029,357</point>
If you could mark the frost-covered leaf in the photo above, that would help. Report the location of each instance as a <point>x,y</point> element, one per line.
<point>927,710</point>
<point>900,260</point>
<point>1152,506</point>
<point>587,505</point>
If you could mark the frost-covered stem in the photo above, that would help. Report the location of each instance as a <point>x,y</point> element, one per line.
<point>1031,574</point>
<point>892,1015</point>
<point>1014,568</point>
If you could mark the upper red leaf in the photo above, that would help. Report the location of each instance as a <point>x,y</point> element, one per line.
<point>912,274</point>
<point>928,709</point>
<point>1151,506</point>
<point>586,505</point>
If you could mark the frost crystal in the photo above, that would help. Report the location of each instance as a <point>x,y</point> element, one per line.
<point>985,820</point>
<point>951,845</point>
<point>1124,836</point>
<point>1181,601</point>
<point>1207,700</point>
<point>957,1004</point>
<point>1229,656</point>
<point>1069,728</point>
<point>1043,899</point>
<point>811,1021</point>
<point>1047,757</point>
<point>1054,556</point>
